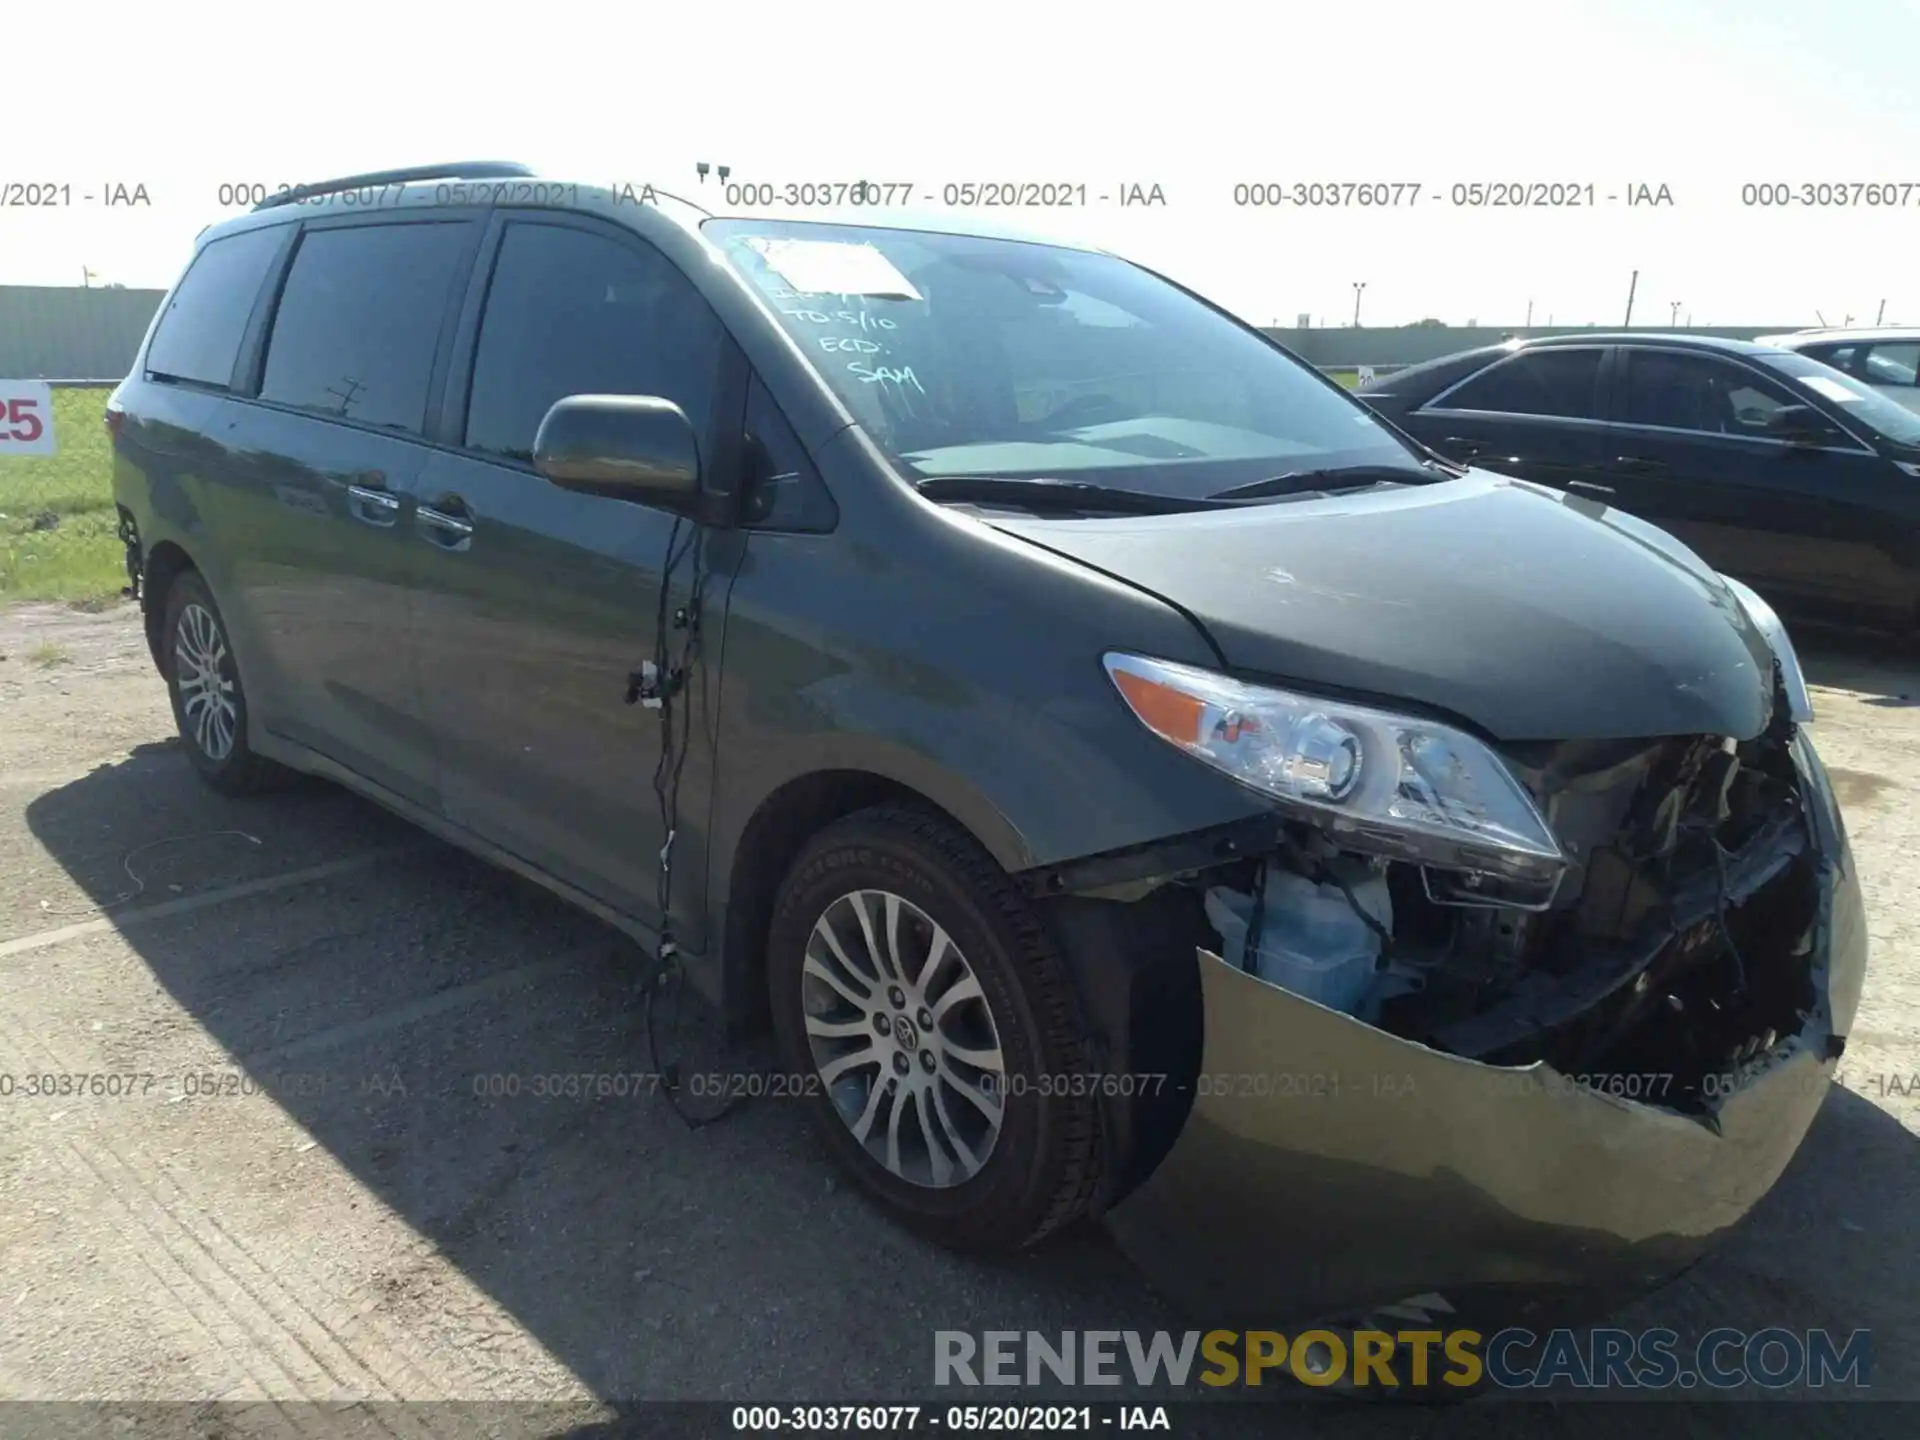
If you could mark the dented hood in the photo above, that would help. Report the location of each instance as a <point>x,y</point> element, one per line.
<point>1535,615</point>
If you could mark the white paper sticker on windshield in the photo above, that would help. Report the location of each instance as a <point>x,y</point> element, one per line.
<point>1832,389</point>
<point>835,267</point>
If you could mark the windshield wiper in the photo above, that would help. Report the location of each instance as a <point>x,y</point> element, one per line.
<point>1338,477</point>
<point>1042,493</point>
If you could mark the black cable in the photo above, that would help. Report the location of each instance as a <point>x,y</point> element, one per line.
<point>1720,912</point>
<point>1256,923</point>
<point>1367,917</point>
<point>672,674</point>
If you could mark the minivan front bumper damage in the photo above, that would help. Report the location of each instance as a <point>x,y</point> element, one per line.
<point>1329,1169</point>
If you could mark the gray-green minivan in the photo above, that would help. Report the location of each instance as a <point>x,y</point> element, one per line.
<point>1127,777</point>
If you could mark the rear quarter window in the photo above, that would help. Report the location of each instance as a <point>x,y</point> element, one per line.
<point>198,337</point>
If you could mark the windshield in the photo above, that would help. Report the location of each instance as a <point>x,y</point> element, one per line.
<point>1859,402</point>
<point>962,355</point>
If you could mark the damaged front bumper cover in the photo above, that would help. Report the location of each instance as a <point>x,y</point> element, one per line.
<point>1329,1169</point>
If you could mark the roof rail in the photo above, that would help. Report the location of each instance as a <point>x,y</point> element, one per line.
<point>457,170</point>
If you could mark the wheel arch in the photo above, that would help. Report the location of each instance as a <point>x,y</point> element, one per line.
<point>165,563</point>
<point>779,826</point>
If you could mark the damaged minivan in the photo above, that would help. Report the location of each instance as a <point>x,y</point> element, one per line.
<point>1127,777</point>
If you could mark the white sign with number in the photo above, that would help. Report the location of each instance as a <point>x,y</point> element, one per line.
<point>26,417</point>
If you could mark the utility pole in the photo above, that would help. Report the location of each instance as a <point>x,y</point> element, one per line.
<point>1632,285</point>
<point>1529,315</point>
<point>1358,286</point>
<point>87,277</point>
<point>1881,317</point>
<point>1673,317</point>
<point>347,394</point>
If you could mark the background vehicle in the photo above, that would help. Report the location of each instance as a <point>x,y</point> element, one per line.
<point>1772,466</point>
<point>995,607</point>
<point>1885,357</point>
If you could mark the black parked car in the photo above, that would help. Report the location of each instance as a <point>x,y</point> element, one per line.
<point>1796,477</point>
<point>943,647</point>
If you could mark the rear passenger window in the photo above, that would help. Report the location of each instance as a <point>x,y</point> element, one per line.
<point>198,339</point>
<point>570,312</point>
<point>1546,382</point>
<point>359,320</point>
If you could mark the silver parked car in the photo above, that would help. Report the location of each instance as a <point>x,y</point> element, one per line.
<point>1885,357</point>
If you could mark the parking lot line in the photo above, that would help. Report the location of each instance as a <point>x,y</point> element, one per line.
<point>206,899</point>
<point>402,1016</point>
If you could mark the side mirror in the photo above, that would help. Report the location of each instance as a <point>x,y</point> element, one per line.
<point>638,448</point>
<point>1798,425</point>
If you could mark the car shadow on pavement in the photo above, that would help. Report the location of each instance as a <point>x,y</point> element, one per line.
<point>472,1053</point>
<point>418,1016</point>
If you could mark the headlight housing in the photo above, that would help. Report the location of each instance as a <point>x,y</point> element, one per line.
<point>1397,785</point>
<point>1769,624</point>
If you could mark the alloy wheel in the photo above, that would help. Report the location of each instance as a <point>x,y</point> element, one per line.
<point>903,1039</point>
<point>203,671</point>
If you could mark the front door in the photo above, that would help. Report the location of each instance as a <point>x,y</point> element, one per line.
<point>536,604</point>
<point>1693,450</point>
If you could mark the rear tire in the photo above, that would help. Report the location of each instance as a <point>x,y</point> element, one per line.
<point>927,1018</point>
<point>209,702</point>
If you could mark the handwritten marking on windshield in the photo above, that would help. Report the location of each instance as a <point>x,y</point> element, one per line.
<point>861,318</point>
<point>886,375</point>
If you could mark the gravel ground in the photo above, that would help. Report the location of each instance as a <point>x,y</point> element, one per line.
<point>310,1202</point>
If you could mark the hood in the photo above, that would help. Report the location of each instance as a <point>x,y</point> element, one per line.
<point>1533,614</point>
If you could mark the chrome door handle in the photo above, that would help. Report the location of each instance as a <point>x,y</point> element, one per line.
<point>374,507</point>
<point>1597,489</point>
<point>452,532</point>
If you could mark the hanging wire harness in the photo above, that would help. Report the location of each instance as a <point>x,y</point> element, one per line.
<point>657,685</point>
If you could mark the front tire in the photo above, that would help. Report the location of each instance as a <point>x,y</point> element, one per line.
<point>928,1017</point>
<point>209,703</point>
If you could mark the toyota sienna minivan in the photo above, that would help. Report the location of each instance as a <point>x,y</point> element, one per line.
<point>1127,777</point>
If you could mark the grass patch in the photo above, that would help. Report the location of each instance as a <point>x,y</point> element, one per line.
<point>47,655</point>
<point>58,527</point>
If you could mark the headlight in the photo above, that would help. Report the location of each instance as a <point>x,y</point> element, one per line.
<point>1799,702</point>
<point>1397,785</point>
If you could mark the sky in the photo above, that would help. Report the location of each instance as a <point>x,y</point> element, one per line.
<point>1699,96</point>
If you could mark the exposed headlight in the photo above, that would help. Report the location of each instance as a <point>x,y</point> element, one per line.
<point>1799,702</point>
<point>1390,784</point>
